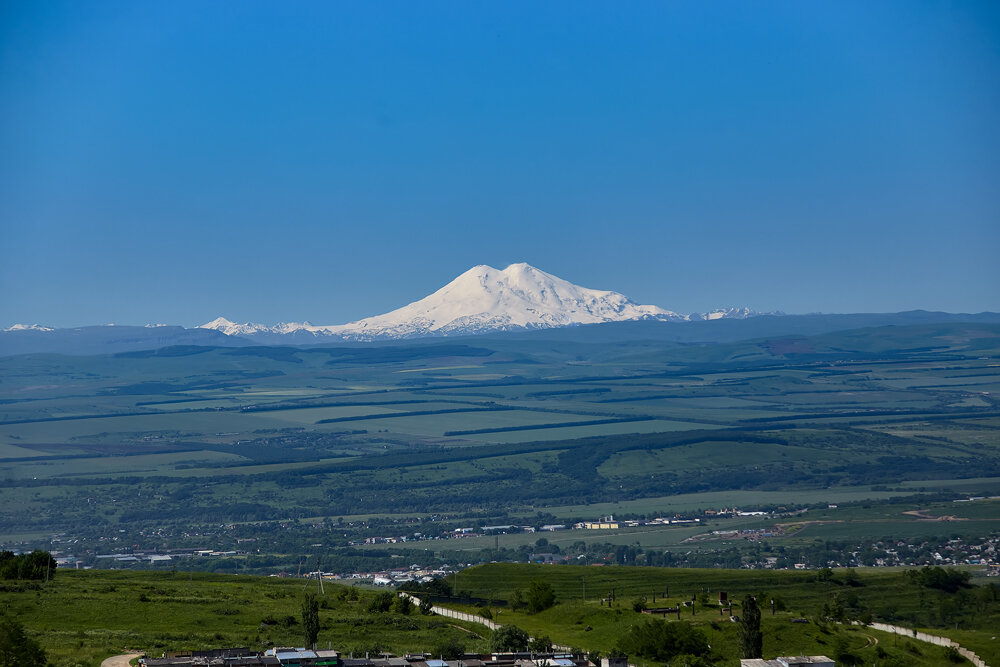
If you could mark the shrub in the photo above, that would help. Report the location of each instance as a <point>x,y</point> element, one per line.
<point>381,603</point>
<point>661,641</point>
<point>402,605</point>
<point>508,638</point>
<point>540,596</point>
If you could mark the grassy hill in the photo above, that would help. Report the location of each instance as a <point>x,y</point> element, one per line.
<point>970,616</point>
<point>82,617</point>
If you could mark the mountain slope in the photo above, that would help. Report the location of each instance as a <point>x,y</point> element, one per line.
<point>485,299</point>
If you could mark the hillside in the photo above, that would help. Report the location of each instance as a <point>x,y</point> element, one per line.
<point>969,616</point>
<point>80,617</point>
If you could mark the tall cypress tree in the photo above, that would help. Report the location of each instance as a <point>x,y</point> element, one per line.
<point>310,619</point>
<point>751,639</point>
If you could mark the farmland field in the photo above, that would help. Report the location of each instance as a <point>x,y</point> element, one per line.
<point>285,449</point>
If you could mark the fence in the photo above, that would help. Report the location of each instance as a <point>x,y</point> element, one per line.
<point>471,618</point>
<point>930,639</point>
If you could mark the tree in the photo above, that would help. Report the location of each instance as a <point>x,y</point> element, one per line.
<point>39,565</point>
<point>748,629</point>
<point>425,606</point>
<point>16,648</point>
<point>540,596</point>
<point>310,619</point>
<point>517,599</point>
<point>448,649</point>
<point>540,644</point>
<point>403,605</point>
<point>662,641</point>
<point>947,580</point>
<point>381,603</point>
<point>508,638</point>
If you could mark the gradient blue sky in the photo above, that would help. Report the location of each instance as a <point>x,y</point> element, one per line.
<point>268,161</point>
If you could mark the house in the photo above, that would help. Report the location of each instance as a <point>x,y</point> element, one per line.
<point>301,657</point>
<point>546,558</point>
<point>793,661</point>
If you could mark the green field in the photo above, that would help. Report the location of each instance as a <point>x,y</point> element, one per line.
<point>887,596</point>
<point>82,617</point>
<point>170,448</point>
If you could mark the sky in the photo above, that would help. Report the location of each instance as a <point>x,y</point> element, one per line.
<point>326,161</point>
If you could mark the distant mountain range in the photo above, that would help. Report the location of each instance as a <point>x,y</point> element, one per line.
<point>487,300</point>
<point>517,301</point>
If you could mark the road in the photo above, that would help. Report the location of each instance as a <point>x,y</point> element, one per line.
<point>120,660</point>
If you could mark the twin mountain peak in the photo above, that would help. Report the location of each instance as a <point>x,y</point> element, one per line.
<point>483,300</point>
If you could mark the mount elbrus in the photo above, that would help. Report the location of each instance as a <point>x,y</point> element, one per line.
<point>484,299</point>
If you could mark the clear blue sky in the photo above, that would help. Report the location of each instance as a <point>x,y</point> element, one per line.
<point>269,161</point>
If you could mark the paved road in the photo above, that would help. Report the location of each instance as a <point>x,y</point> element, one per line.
<point>119,660</point>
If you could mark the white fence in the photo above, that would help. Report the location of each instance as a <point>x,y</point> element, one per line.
<point>930,639</point>
<point>471,618</point>
<point>451,613</point>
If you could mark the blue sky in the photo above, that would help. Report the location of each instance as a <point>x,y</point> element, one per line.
<point>271,161</point>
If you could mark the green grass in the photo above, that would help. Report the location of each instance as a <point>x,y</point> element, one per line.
<point>888,595</point>
<point>81,617</point>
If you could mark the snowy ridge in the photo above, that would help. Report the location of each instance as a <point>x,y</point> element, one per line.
<point>485,299</point>
<point>28,327</point>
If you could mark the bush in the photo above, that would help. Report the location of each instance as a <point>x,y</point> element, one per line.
<point>381,603</point>
<point>448,649</point>
<point>540,644</point>
<point>402,605</point>
<point>508,638</point>
<point>661,641</point>
<point>37,565</point>
<point>16,648</point>
<point>942,579</point>
<point>951,654</point>
<point>540,596</point>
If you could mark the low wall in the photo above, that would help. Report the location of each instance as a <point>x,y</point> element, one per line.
<point>471,618</point>
<point>930,639</point>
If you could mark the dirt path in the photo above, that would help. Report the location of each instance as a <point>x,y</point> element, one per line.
<point>120,660</point>
<point>922,515</point>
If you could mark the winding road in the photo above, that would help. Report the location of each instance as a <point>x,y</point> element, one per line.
<point>120,660</point>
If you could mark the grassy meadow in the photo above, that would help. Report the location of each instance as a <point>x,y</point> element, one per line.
<point>580,618</point>
<point>82,617</point>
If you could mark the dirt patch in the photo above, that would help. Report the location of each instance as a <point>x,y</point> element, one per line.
<point>924,516</point>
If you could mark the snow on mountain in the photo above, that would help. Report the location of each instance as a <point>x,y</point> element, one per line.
<point>486,299</point>
<point>28,327</point>
<point>234,329</point>
<point>730,313</point>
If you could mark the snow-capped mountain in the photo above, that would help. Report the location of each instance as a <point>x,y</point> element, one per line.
<point>730,313</point>
<point>485,299</point>
<point>28,327</point>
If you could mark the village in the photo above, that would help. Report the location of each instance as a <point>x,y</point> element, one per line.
<point>302,657</point>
